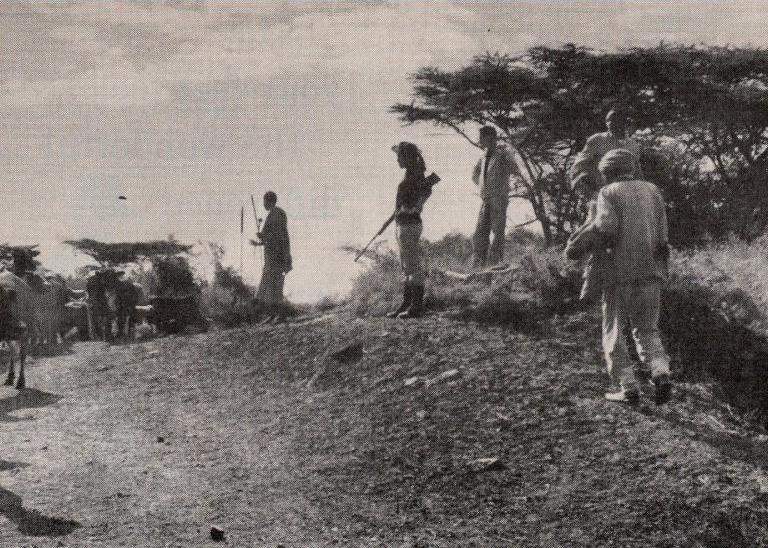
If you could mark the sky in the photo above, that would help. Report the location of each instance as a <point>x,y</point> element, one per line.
<point>187,107</point>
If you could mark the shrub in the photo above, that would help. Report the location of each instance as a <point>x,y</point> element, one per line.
<point>538,284</point>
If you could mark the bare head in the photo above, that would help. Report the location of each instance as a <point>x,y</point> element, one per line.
<point>616,122</point>
<point>270,199</point>
<point>488,137</point>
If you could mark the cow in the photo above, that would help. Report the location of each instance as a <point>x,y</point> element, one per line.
<point>112,300</point>
<point>13,333</point>
<point>48,300</point>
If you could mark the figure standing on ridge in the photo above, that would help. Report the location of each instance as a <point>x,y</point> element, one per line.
<point>629,239</point>
<point>277,260</point>
<point>585,174</point>
<point>492,174</point>
<point>412,192</point>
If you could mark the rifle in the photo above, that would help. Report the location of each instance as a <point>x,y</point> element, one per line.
<point>432,180</point>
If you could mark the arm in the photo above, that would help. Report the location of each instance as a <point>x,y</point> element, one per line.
<point>606,220</point>
<point>476,171</point>
<point>585,162</point>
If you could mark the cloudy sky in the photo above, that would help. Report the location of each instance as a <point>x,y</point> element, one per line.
<point>188,106</point>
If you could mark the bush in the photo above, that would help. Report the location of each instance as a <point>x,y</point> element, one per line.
<point>539,284</point>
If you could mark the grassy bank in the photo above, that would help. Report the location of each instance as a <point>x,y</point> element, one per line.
<point>713,320</point>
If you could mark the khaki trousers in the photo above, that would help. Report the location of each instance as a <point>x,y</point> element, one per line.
<point>492,219</point>
<point>638,303</point>
<point>411,256</point>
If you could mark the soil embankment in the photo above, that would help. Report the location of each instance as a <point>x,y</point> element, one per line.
<point>369,433</point>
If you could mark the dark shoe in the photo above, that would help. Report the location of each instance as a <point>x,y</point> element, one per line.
<point>631,397</point>
<point>416,310</point>
<point>663,389</point>
<point>407,297</point>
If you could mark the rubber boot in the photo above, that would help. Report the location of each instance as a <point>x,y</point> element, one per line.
<point>416,310</point>
<point>407,296</point>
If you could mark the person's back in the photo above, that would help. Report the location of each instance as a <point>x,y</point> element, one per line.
<point>632,212</point>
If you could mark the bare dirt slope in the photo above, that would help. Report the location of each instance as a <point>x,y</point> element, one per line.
<point>264,433</point>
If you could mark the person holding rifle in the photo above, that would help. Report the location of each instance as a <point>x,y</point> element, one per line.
<point>277,260</point>
<point>412,192</point>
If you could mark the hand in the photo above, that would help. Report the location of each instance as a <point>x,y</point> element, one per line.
<point>255,243</point>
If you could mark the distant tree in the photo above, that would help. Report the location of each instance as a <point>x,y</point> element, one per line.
<point>120,254</point>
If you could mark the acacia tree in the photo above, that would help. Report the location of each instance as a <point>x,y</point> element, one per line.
<point>711,101</point>
<point>495,90</point>
<point>123,253</point>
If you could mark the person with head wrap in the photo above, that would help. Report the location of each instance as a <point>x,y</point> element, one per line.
<point>629,238</point>
<point>412,193</point>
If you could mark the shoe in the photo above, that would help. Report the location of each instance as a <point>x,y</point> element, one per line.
<point>663,389</point>
<point>407,297</point>
<point>416,310</point>
<point>632,396</point>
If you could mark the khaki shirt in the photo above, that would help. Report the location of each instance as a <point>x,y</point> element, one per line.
<point>632,216</point>
<point>595,148</point>
<point>494,178</point>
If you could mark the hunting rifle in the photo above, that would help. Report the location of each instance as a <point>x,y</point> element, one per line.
<point>432,179</point>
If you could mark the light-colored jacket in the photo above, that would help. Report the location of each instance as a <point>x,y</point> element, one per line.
<point>595,148</point>
<point>632,218</point>
<point>494,178</point>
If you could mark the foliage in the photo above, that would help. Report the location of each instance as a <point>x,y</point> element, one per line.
<point>539,284</point>
<point>547,102</point>
<point>174,276</point>
<point>119,254</point>
<point>228,299</point>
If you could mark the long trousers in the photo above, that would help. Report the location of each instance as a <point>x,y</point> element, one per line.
<point>639,303</point>
<point>411,255</point>
<point>491,219</point>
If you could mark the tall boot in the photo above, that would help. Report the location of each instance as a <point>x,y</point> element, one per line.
<point>416,310</point>
<point>407,297</point>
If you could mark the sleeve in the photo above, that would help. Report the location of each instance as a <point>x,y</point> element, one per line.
<point>606,219</point>
<point>513,169</point>
<point>585,160</point>
<point>476,171</point>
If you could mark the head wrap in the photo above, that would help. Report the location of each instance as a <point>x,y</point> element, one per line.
<point>618,161</point>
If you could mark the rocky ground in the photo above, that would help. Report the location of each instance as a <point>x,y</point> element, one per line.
<point>349,432</point>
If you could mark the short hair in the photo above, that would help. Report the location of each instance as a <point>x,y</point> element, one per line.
<point>488,130</point>
<point>270,196</point>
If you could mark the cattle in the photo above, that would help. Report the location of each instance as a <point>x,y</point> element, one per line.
<point>112,300</point>
<point>48,300</point>
<point>13,332</point>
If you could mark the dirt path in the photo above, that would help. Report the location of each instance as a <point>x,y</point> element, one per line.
<point>145,446</point>
<point>264,433</point>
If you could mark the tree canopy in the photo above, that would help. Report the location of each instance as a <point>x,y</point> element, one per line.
<point>117,254</point>
<point>705,104</point>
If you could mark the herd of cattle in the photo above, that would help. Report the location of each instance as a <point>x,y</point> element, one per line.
<point>42,312</point>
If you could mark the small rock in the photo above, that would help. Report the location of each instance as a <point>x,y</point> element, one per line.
<point>488,464</point>
<point>217,534</point>
<point>421,414</point>
<point>160,439</point>
<point>445,375</point>
<point>410,381</point>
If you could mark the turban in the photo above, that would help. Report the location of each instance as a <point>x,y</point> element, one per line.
<point>618,161</point>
